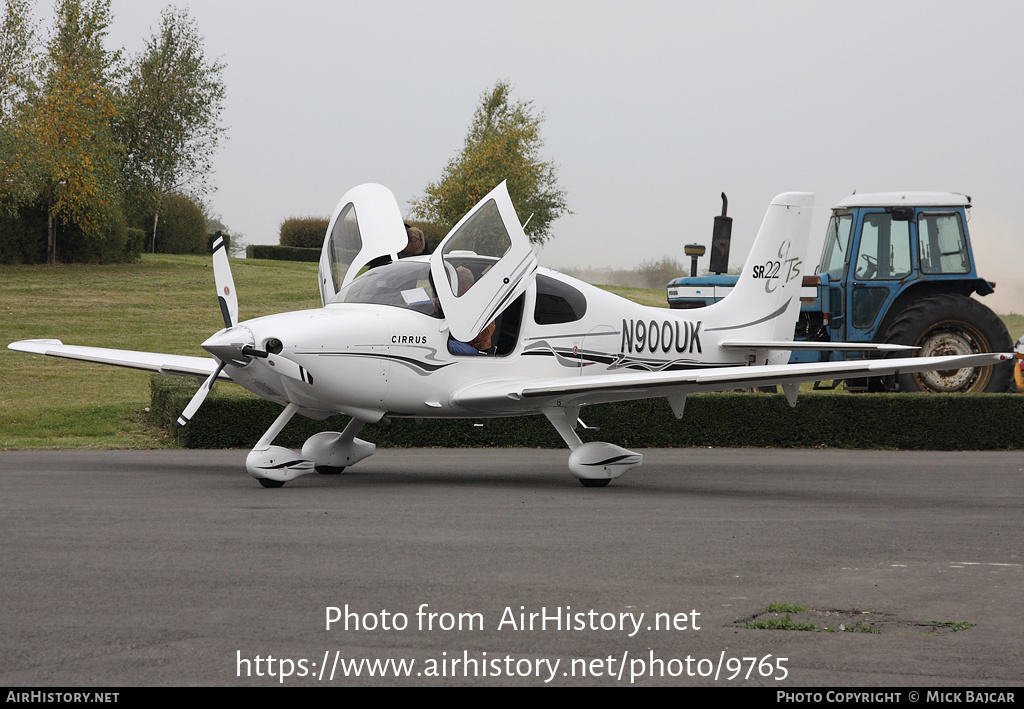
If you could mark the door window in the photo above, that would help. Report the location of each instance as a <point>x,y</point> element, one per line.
<point>345,244</point>
<point>483,234</point>
<point>884,248</point>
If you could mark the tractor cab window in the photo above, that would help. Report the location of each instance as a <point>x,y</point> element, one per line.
<point>837,246</point>
<point>942,243</point>
<point>884,248</point>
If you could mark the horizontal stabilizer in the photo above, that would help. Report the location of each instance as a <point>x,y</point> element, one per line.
<point>181,365</point>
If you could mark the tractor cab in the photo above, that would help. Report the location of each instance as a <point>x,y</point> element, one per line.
<point>884,250</point>
<point>897,267</point>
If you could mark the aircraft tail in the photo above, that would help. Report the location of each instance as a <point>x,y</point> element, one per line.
<point>765,304</point>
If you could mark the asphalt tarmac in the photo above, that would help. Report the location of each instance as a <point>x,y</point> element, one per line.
<point>495,567</point>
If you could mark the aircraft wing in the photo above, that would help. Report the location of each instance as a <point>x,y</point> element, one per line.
<point>149,361</point>
<point>815,346</point>
<point>518,395</point>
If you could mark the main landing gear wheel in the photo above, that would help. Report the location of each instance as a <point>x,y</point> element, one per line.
<point>266,482</point>
<point>594,482</point>
<point>952,325</point>
<point>329,469</point>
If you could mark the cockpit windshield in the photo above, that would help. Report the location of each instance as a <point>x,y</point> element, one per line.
<point>403,284</point>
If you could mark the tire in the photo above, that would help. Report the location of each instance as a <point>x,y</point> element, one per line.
<point>594,482</point>
<point>265,482</point>
<point>329,469</point>
<point>951,324</point>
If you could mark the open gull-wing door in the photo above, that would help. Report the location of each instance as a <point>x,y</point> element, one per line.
<point>484,264</point>
<point>365,225</point>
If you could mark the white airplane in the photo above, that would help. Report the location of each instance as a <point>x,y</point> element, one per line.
<point>390,340</point>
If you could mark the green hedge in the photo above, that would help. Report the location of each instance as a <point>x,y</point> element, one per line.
<point>303,232</point>
<point>23,237</point>
<point>135,244</point>
<point>282,253</point>
<point>233,418</point>
<point>211,238</point>
<point>181,226</point>
<point>302,239</point>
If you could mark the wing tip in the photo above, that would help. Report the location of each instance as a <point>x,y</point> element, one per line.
<point>34,346</point>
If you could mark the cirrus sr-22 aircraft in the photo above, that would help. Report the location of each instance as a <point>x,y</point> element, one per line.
<point>391,337</point>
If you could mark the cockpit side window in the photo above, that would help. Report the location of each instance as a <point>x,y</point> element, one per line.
<point>557,302</point>
<point>346,243</point>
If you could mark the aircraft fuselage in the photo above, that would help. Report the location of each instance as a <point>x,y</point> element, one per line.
<point>370,360</point>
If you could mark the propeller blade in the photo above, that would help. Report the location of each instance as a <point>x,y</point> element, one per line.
<point>289,368</point>
<point>225,283</point>
<point>228,300</point>
<point>198,398</point>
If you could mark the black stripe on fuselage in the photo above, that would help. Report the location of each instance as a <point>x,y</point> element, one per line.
<point>616,459</point>
<point>408,361</point>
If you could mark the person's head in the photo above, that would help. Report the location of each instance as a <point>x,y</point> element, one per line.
<point>416,242</point>
<point>466,279</point>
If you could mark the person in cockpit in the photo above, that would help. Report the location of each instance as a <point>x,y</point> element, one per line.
<point>482,342</point>
<point>416,245</point>
<point>417,242</point>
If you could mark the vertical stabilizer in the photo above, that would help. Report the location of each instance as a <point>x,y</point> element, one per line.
<point>765,303</point>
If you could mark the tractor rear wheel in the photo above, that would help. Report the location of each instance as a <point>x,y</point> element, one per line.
<point>949,324</point>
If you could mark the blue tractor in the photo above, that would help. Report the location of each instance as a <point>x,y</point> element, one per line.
<point>897,267</point>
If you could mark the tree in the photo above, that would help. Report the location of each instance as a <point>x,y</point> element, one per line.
<point>74,156</point>
<point>235,240</point>
<point>19,67</point>
<point>503,143</point>
<point>170,123</point>
<point>17,57</point>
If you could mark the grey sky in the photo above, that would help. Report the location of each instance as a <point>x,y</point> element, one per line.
<point>652,108</point>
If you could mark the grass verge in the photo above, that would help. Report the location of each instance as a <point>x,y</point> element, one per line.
<point>163,303</point>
